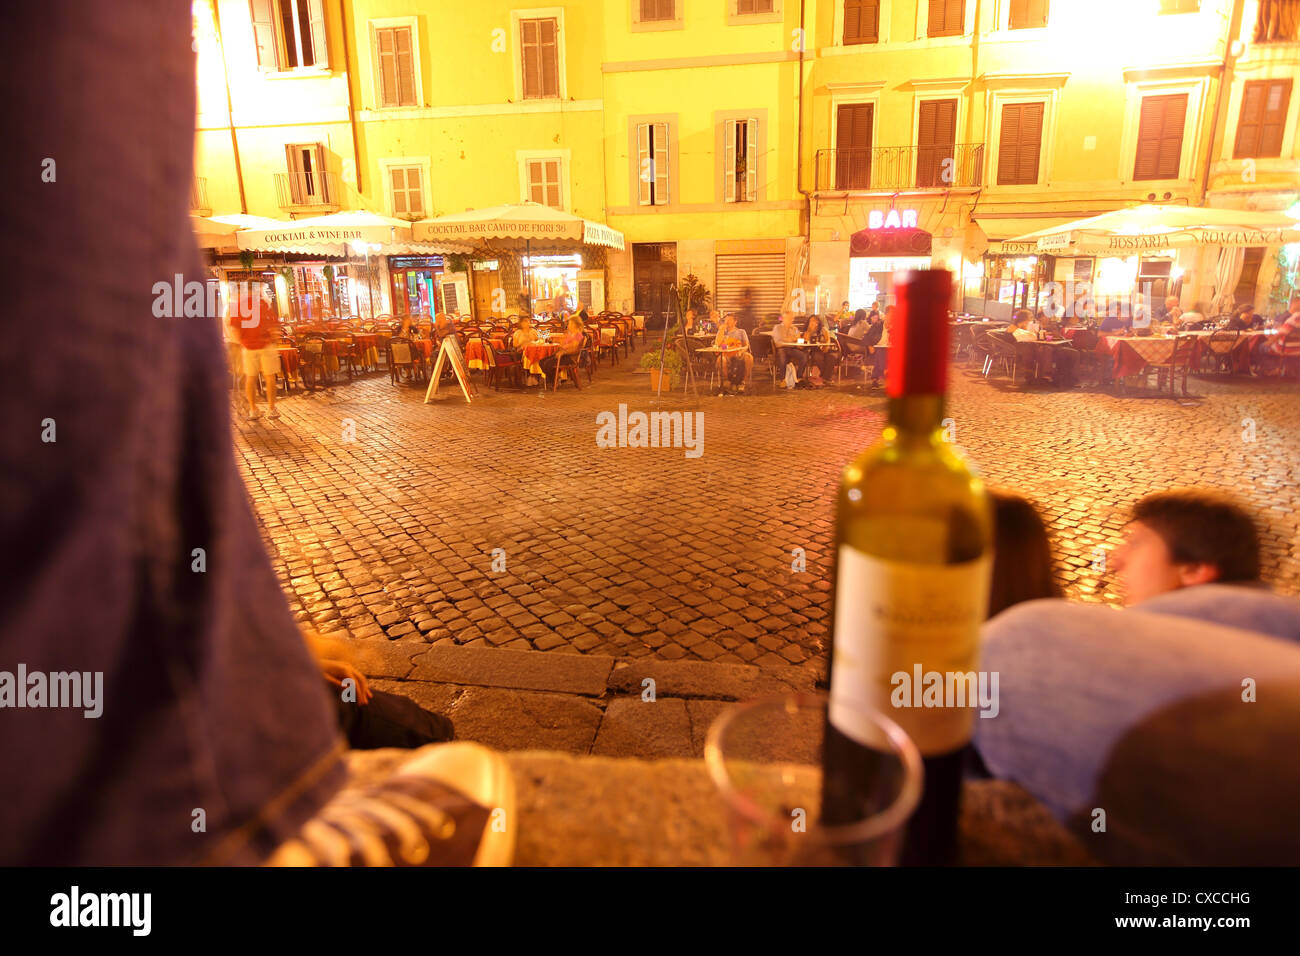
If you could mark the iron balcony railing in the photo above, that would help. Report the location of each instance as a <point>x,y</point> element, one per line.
<point>1278,21</point>
<point>199,196</point>
<point>891,168</point>
<point>316,189</point>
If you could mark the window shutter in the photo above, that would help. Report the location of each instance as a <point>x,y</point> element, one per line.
<point>528,31</point>
<point>264,34</point>
<point>861,21</point>
<point>661,163</point>
<point>319,186</point>
<point>1264,105</point>
<point>853,146</point>
<point>751,160</point>
<point>415,190</point>
<point>1020,144</point>
<point>1027,14</point>
<point>644,164</point>
<point>553,184</point>
<point>1160,137</point>
<point>319,49</point>
<point>946,18</point>
<point>548,42</point>
<point>1274,126</point>
<point>405,67</point>
<point>936,139</point>
<point>386,63</point>
<point>398,176</point>
<point>745,6</point>
<point>729,161</point>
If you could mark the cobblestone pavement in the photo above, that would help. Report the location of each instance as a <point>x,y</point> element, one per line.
<point>383,514</point>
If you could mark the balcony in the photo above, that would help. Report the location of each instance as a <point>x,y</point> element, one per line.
<point>898,168</point>
<point>199,204</point>
<point>313,192</point>
<point>1278,21</point>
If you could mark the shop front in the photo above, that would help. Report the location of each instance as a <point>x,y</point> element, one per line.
<point>415,284</point>
<point>307,291</point>
<point>891,243</point>
<point>553,282</point>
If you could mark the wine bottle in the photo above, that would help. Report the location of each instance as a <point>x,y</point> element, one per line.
<point>913,559</point>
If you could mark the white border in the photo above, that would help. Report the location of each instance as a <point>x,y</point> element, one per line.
<point>516,50</point>
<point>381,23</point>
<point>522,156</point>
<point>426,185</point>
<point>1196,90</point>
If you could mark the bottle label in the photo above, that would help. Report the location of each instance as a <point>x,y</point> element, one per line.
<point>907,645</point>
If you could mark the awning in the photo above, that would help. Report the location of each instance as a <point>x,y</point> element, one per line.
<point>1151,228</point>
<point>218,232</point>
<point>1002,233</point>
<point>517,226</point>
<point>343,234</point>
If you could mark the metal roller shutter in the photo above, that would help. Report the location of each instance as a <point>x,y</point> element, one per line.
<point>762,272</point>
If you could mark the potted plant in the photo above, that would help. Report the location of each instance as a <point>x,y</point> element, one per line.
<point>692,294</point>
<point>672,367</point>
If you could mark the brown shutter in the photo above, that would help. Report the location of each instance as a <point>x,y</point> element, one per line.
<point>405,67</point>
<point>861,21</point>
<point>853,146</point>
<point>548,41</point>
<point>1264,105</point>
<point>1027,14</point>
<point>1020,144</point>
<point>1160,137</point>
<point>935,140</point>
<point>528,47</point>
<point>946,18</point>
<point>387,67</point>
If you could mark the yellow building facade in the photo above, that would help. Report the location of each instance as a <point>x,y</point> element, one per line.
<point>801,150</point>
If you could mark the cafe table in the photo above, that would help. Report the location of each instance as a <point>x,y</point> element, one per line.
<point>289,362</point>
<point>1134,353</point>
<point>477,354</point>
<point>533,354</point>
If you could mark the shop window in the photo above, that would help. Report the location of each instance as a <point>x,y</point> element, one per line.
<point>946,18</point>
<point>861,21</point>
<point>289,34</point>
<point>652,164</point>
<point>544,182</point>
<point>395,67</point>
<point>1264,105</point>
<point>1020,144</point>
<point>1154,277</point>
<point>740,160</point>
<point>1027,15</point>
<point>1160,137</point>
<point>406,190</point>
<point>539,42</point>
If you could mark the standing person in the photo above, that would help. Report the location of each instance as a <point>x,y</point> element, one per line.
<point>880,351</point>
<point>738,365</point>
<point>746,317</point>
<point>822,359</point>
<point>257,327</point>
<point>784,335</point>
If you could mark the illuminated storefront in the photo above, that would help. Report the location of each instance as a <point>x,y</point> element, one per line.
<point>415,284</point>
<point>891,243</point>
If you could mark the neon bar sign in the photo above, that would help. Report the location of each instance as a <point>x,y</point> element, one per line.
<point>894,219</point>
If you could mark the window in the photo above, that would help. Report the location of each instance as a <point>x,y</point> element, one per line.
<point>540,45</point>
<point>740,160</point>
<point>936,141</point>
<point>406,189</point>
<point>754,6</point>
<point>543,179</point>
<point>1264,105</point>
<point>947,18</point>
<point>861,21</point>
<point>395,67</point>
<point>1020,144</point>
<point>289,34</point>
<point>1180,6</point>
<point>1278,21</point>
<point>652,164</point>
<point>853,123</point>
<point>1027,14</point>
<point>1160,137</point>
<point>306,165</point>
<point>658,10</point>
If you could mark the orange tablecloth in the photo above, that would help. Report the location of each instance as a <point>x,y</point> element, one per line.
<point>477,354</point>
<point>533,355</point>
<point>1132,355</point>
<point>288,361</point>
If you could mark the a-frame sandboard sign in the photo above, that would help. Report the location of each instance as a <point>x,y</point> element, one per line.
<point>449,351</point>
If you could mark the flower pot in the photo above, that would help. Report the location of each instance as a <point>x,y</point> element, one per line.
<point>654,379</point>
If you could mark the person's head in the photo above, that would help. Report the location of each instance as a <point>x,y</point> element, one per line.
<point>1177,539</point>
<point>844,306</point>
<point>1171,302</point>
<point>1021,318</point>
<point>575,323</point>
<point>525,322</point>
<point>1023,568</point>
<point>787,317</point>
<point>859,316</point>
<point>690,316</point>
<point>729,321</point>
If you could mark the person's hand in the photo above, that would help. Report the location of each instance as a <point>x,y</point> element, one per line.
<point>336,672</point>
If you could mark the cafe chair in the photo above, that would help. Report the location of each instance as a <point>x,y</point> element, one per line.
<point>1002,348</point>
<point>1180,360</point>
<point>853,354</point>
<point>506,363</point>
<point>314,366</point>
<point>1217,355</point>
<point>402,360</point>
<point>573,363</point>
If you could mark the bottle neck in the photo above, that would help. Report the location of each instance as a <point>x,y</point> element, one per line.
<point>916,416</point>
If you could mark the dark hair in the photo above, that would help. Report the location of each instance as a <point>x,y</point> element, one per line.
<point>1023,568</point>
<point>859,315</point>
<point>1022,315</point>
<point>1202,527</point>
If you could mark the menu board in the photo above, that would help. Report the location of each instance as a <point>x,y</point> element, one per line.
<point>449,351</point>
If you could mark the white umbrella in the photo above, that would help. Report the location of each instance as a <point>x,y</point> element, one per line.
<point>1150,227</point>
<point>218,232</point>
<point>514,225</point>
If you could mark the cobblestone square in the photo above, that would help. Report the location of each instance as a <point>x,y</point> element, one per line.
<point>501,524</point>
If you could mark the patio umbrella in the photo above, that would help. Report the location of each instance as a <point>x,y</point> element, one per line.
<point>515,227</point>
<point>1150,227</point>
<point>335,234</point>
<point>218,232</point>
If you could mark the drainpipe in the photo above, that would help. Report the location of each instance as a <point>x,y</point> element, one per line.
<point>798,176</point>
<point>352,115</point>
<point>230,109</point>
<point>1225,86</point>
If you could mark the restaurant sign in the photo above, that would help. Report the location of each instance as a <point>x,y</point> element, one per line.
<point>1008,248</point>
<point>1203,237</point>
<point>893,219</point>
<point>314,235</point>
<point>1062,240</point>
